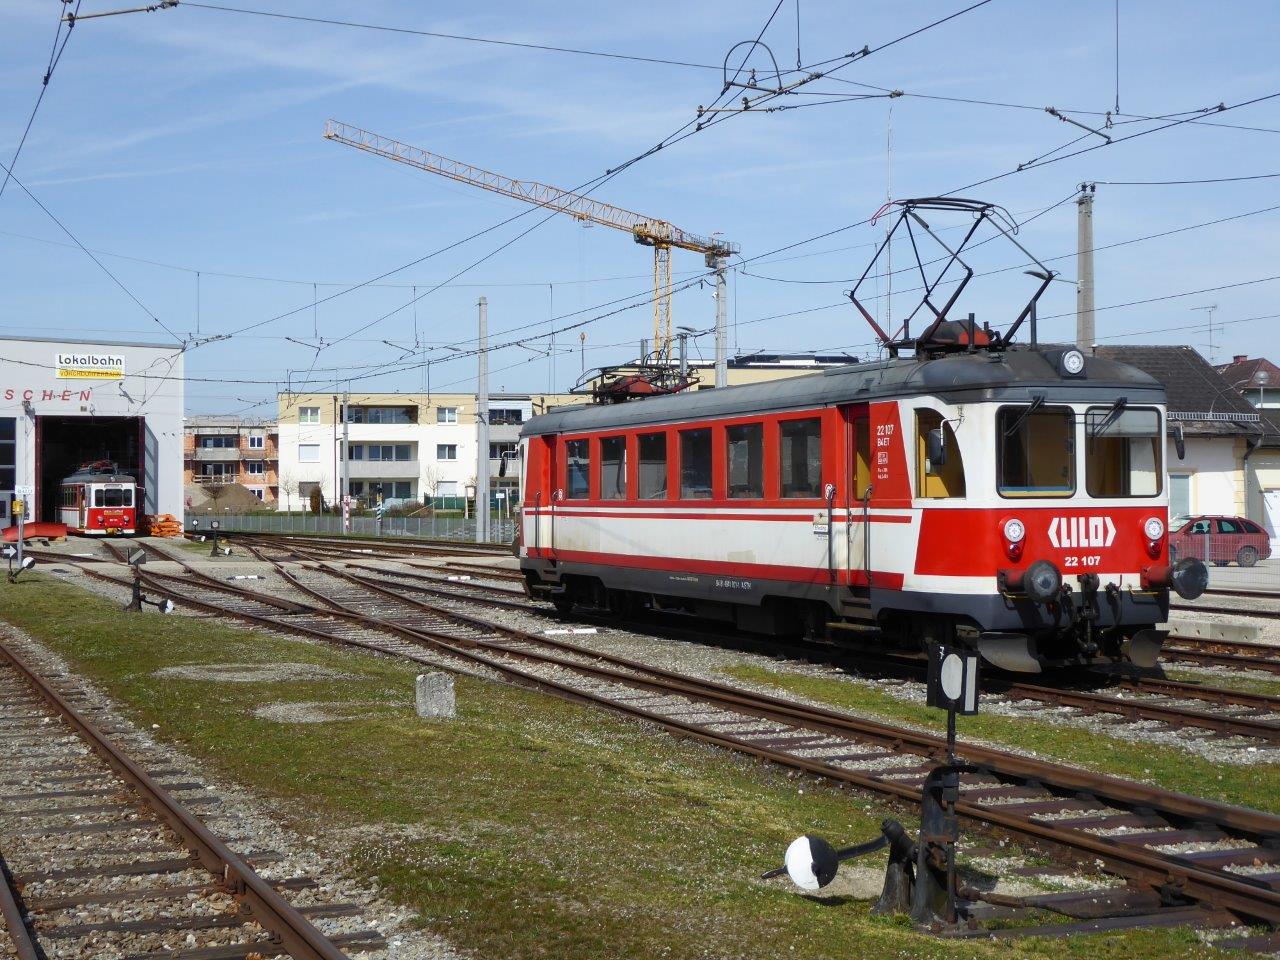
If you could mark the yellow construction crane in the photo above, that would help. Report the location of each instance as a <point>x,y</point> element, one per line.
<point>651,232</point>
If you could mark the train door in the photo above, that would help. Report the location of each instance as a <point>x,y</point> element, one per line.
<point>858,491</point>
<point>554,492</point>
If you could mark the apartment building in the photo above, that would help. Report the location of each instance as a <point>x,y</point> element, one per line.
<point>221,449</point>
<point>409,447</point>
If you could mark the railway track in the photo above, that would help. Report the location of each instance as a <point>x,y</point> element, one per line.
<point>99,856</point>
<point>377,546</point>
<point>1246,715</point>
<point>1175,704</point>
<point>1265,614</point>
<point>1139,832</point>
<point>1230,654</point>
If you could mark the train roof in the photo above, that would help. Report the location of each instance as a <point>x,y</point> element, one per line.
<point>984,375</point>
<point>93,476</point>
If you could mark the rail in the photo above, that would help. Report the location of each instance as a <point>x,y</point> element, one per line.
<point>294,932</point>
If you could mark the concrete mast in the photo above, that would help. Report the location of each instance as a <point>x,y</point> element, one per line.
<point>482,427</point>
<point>1086,335</point>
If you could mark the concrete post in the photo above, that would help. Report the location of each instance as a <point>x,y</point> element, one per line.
<point>722,324</point>
<point>1085,332</point>
<point>482,427</point>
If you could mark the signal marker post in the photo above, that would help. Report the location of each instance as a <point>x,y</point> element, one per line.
<point>953,686</point>
<point>920,876</point>
<point>138,600</point>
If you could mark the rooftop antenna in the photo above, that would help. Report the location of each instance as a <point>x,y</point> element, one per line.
<point>1210,309</point>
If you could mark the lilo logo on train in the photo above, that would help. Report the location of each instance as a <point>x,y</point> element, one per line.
<point>89,366</point>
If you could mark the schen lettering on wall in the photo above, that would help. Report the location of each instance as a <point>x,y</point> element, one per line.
<point>65,396</point>
<point>89,366</point>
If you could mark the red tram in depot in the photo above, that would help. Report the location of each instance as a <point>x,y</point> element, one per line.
<point>98,500</point>
<point>1006,497</point>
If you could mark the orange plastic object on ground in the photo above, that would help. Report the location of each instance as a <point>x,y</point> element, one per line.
<point>163,525</point>
<point>54,531</point>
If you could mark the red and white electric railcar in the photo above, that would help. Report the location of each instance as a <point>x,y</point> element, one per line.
<point>99,501</point>
<point>1009,498</point>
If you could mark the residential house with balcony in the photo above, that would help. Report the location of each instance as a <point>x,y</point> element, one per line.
<point>222,450</point>
<point>410,448</point>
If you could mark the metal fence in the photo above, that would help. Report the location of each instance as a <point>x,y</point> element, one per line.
<point>426,528</point>
<point>1236,561</point>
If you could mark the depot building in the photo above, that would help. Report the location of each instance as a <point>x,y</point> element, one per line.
<point>65,403</point>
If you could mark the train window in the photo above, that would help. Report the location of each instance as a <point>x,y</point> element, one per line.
<point>126,499</point>
<point>862,457</point>
<point>112,497</point>
<point>695,464</point>
<point>744,463</point>
<point>937,480</point>
<point>1037,451</point>
<point>577,458</point>
<point>653,466</point>
<point>800,458</point>
<point>1122,452</point>
<point>613,468</point>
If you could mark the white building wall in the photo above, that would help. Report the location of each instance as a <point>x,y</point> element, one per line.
<point>151,387</point>
<point>426,437</point>
<point>1213,469</point>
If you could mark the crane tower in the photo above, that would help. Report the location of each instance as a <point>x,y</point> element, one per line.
<point>649,231</point>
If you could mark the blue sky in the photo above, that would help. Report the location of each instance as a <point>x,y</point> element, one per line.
<point>193,138</point>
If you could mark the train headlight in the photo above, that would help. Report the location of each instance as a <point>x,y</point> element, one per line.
<point>1154,528</point>
<point>1015,532</point>
<point>1072,363</point>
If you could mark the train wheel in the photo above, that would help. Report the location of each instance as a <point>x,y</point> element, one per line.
<point>563,604</point>
<point>1247,557</point>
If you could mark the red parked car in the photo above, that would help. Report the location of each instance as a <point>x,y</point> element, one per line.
<point>1219,540</point>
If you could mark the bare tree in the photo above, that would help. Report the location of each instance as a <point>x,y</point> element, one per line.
<point>214,491</point>
<point>430,486</point>
<point>288,488</point>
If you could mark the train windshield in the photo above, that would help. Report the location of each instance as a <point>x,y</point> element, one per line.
<point>1037,451</point>
<point>1122,457</point>
<point>113,497</point>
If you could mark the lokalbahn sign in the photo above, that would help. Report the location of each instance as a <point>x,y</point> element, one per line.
<point>89,366</point>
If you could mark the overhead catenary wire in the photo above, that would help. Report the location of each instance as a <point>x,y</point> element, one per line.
<point>440,35</point>
<point>1022,168</point>
<point>101,266</point>
<point>1064,256</point>
<point>55,55</point>
<point>689,128</point>
<point>1180,183</point>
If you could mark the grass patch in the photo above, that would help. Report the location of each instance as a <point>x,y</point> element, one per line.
<point>1255,786</point>
<point>1264,685</point>
<point>526,828</point>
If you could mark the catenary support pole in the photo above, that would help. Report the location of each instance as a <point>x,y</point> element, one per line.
<point>1085,332</point>
<point>346,457</point>
<point>722,323</point>
<point>482,426</point>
